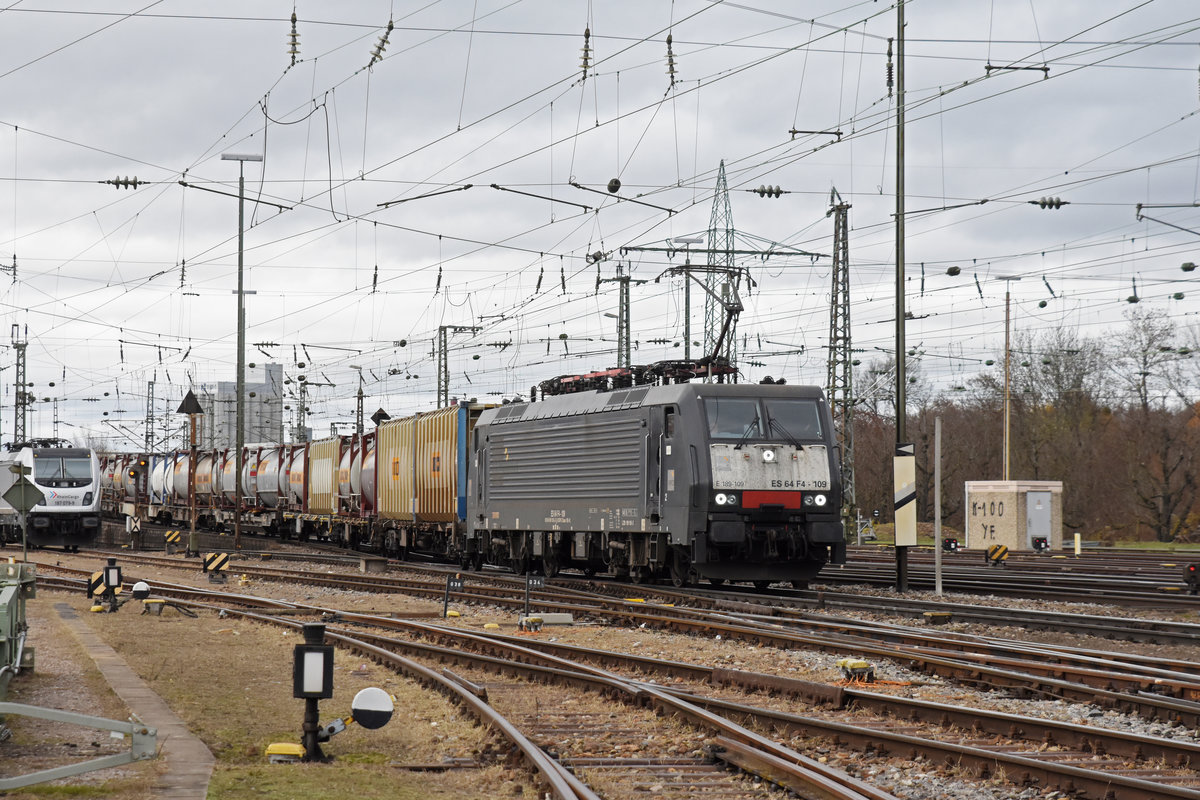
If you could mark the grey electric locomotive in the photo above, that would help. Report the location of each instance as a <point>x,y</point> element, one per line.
<point>715,481</point>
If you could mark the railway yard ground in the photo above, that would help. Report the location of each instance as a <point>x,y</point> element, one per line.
<point>229,678</point>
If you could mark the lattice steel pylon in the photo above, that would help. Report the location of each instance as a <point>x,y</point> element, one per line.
<point>840,386</point>
<point>721,247</point>
<point>21,396</point>
<point>149,416</point>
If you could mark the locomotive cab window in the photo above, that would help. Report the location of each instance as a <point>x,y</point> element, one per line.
<point>669,422</point>
<point>795,419</point>
<point>51,471</point>
<point>732,418</point>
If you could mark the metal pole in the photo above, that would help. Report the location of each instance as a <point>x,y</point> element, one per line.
<point>901,399</point>
<point>241,158</point>
<point>687,317</point>
<point>1007,361</point>
<point>937,504</point>
<point>241,361</point>
<point>193,548</point>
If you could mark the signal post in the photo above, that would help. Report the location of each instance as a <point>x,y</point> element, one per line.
<point>191,407</point>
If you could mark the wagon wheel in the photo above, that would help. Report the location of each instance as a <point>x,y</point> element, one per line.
<point>681,568</point>
<point>761,585</point>
<point>799,584</point>
<point>639,575</point>
<point>717,581</point>
<point>477,562</point>
<point>520,563</point>
<point>550,564</point>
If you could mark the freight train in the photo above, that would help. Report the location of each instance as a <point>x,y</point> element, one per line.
<point>687,481</point>
<point>69,480</point>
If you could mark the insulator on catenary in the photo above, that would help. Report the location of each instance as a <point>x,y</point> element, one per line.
<point>381,45</point>
<point>891,70</point>
<point>587,51</point>
<point>670,61</point>
<point>293,41</point>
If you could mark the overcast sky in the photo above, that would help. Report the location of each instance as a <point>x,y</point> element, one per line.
<point>115,287</point>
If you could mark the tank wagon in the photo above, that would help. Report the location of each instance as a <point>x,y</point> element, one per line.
<point>69,479</point>
<point>397,489</point>
<point>687,481</point>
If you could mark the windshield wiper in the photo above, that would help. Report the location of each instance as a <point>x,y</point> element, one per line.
<point>792,440</point>
<point>750,428</point>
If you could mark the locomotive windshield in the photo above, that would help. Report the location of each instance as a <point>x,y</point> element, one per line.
<point>793,419</point>
<point>67,472</point>
<point>732,418</point>
<point>743,419</point>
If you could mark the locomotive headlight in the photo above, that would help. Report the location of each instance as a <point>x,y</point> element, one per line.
<point>821,500</point>
<point>87,499</point>
<point>720,498</point>
<point>768,455</point>
<point>808,499</point>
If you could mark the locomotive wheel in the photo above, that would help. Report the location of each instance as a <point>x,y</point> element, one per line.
<point>717,581</point>
<point>477,562</point>
<point>761,585</point>
<point>681,568</point>
<point>802,585</point>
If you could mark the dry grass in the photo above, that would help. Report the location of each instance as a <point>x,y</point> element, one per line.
<point>230,680</point>
<point>65,678</point>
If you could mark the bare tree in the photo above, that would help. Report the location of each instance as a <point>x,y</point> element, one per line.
<point>1161,426</point>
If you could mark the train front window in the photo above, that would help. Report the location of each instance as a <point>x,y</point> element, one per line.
<point>730,418</point>
<point>51,471</point>
<point>793,419</point>
<point>47,469</point>
<point>79,469</point>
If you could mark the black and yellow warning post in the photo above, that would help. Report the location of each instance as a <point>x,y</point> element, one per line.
<point>215,564</point>
<point>105,585</point>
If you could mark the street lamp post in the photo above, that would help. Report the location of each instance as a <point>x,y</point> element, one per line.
<point>239,435</point>
<point>1008,279</point>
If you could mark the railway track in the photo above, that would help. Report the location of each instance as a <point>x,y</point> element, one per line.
<point>584,735</point>
<point>973,735</point>
<point>1147,580</point>
<point>1154,688</point>
<point>600,740</point>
